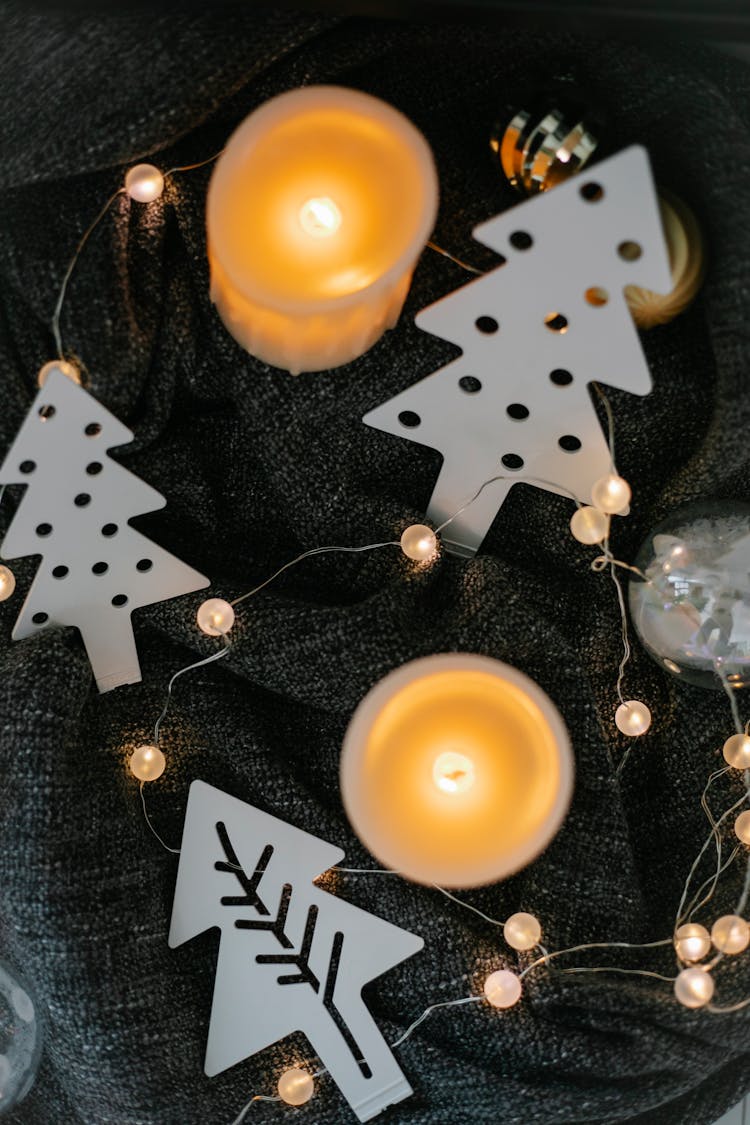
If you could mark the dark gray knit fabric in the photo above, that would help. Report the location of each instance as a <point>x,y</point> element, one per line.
<point>258,466</point>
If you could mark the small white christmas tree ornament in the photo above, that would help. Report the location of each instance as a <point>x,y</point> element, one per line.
<point>95,568</point>
<point>535,332</point>
<point>292,956</point>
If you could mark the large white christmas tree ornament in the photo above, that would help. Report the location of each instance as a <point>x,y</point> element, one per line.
<point>292,957</point>
<point>535,332</point>
<point>95,568</point>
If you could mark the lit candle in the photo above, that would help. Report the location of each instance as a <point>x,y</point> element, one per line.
<point>317,212</point>
<point>456,769</point>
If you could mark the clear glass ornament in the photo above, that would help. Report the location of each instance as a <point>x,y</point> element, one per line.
<point>692,614</point>
<point>21,1036</point>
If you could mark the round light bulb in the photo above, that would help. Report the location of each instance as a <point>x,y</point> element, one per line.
<point>419,542</point>
<point>215,617</point>
<point>503,989</point>
<point>522,931</point>
<point>611,494</point>
<point>692,942</point>
<point>144,183</point>
<point>742,827</point>
<point>296,1086</point>
<point>633,718</point>
<point>694,987</point>
<point>736,751</point>
<point>453,772</point>
<point>7,583</point>
<point>147,763</point>
<point>589,525</point>
<point>319,217</point>
<point>730,934</point>
<point>63,365</point>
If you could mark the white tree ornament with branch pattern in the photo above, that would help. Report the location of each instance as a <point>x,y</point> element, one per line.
<point>535,332</point>
<point>95,568</point>
<point>292,957</point>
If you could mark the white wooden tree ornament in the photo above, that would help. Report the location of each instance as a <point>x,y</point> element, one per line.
<point>292,957</point>
<point>95,568</point>
<point>535,332</point>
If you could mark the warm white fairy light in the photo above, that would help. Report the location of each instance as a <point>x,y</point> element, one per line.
<point>692,942</point>
<point>215,617</point>
<point>419,542</point>
<point>144,183</point>
<point>694,987</point>
<point>503,988</point>
<point>611,494</point>
<point>522,931</point>
<point>730,934</point>
<point>296,1086</point>
<point>63,365</point>
<point>633,718</point>
<point>320,217</point>
<point>7,583</point>
<point>736,751</point>
<point>588,525</point>
<point>742,827</point>
<point>147,763</point>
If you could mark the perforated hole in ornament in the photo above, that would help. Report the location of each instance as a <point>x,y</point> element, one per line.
<point>470,384</point>
<point>93,429</point>
<point>46,412</point>
<point>109,530</point>
<point>120,600</point>
<point>409,419</point>
<point>43,529</point>
<point>569,443</point>
<point>487,325</point>
<point>94,468</point>
<point>630,251</point>
<point>596,296</point>
<point>521,240</point>
<point>512,461</point>
<point>591,192</point>
<point>560,377</point>
<point>144,565</point>
<point>82,499</point>
<point>27,467</point>
<point>556,322</point>
<point>517,411</point>
<point>60,572</point>
<point>99,568</point>
<point>40,618</point>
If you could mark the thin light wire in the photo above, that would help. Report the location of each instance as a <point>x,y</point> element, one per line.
<point>731,694</point>
<point>198,664</point>
<point>592,945</point>
<point>428,1012</point>
<point>616,969</point>
<point>191,167</point>
<point>610,424</point>
<point>363,871</point>
<point>256,1098</point>
<point>174,851</point>
<point>452,257</point>
<point>680,909</point>
<point>516,480</point>
<point>468,906</point>
<point>720,1011</point>
<point>309,554</point>
<point>71,266</point>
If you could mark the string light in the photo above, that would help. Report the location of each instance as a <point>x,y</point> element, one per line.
<point>611,494</point>
<point>503,988</point>
<point>633,718</point>
<point>694,987</point>
<point>7,583</point>
<point>419,542</point>
<point>589,525</point>
<point>215,617</point>
<point>63,365</point>
<point>736,751</point>
<point>742,827</point>
<point>296,1086</point>
<point>692,942</point>
<point>147,763</point>
<point>144,183</point>
<point>730,934</point>
<point>522,931</point>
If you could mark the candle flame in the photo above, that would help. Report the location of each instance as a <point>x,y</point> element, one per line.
<point>453,772</point>
<point>320,217</point>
